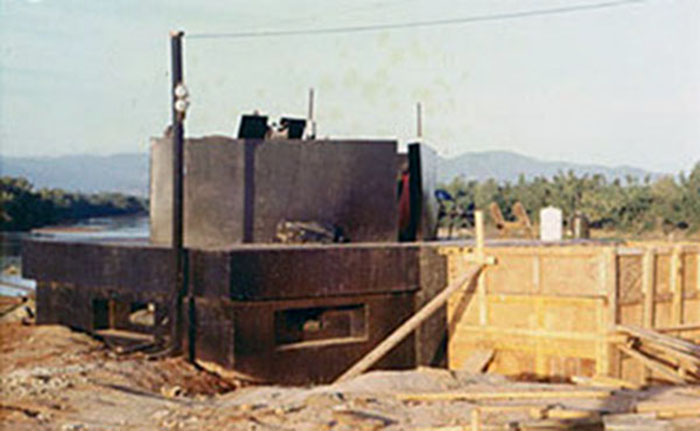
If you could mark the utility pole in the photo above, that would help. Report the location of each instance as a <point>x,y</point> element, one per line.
<point>178,135</point>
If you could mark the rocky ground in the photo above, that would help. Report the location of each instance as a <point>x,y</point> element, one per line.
<point>52,378</point>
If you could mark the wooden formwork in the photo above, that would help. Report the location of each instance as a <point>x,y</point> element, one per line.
<point>551,311</point>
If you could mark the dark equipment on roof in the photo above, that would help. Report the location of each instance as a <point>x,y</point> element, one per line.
<point>294,126</point>
<point>252,127</point>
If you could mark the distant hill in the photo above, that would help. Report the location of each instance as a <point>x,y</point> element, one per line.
<point>128,173</point>
<point>125,173</point>
<point>507,166</point>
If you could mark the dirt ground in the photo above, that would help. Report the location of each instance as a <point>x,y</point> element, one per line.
<point>52,378</point>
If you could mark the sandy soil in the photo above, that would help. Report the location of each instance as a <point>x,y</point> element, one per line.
<point>54,379</point>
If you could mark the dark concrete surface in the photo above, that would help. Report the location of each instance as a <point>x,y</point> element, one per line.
<point>237,191</point>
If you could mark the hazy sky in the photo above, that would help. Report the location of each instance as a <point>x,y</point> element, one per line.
<point>616,85</point>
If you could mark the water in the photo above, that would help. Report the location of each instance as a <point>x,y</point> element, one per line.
<point>105,228</point>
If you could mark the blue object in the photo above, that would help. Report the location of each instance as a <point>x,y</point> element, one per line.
<point>443,195</point>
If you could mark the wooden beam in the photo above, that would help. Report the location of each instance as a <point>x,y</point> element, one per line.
<point>665,406</point>
<point>505,395</point>
<point>649,292</point>
<point>481,281</point>
<point>604,381</point>
<point>648,288</point>
<point>609,360</point>
<point>680,328</point>
<point>650,363</point>
<point>676,285</point>
<point>658,338</point>
<point>410,325</point>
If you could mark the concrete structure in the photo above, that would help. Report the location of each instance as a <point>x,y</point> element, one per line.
<point>251,305</point>
<point>237,191</point>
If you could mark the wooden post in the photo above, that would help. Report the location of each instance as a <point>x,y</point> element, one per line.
<point>649,292</point>
<point>481,281</point>
<point>608,363</point>
<point>540,360</point>
<point>676,285</point>
<point>648,287</point>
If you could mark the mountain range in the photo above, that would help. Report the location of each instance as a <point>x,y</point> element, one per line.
<point>125,173</point>
<point>128,173</point>
<point>508,166</point>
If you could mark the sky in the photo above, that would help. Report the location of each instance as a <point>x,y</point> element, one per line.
<point>616,85</point>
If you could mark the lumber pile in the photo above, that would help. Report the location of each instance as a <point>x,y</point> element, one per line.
<point>672,358</point>
<point>562,409</point>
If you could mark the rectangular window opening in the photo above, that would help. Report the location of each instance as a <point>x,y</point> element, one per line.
<point>307,327</point>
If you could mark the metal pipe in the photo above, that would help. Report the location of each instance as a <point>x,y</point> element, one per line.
<point>419,120</point>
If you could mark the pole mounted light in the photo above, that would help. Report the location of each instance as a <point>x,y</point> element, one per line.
<point>182,101</point>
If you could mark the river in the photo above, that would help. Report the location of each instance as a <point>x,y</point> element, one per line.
<point>104,228</point>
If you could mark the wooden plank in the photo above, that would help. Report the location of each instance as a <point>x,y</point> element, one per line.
<point>478,361</point>
<point>604,381</point>
<point>536,274</point>
<point>649,292</point>
<point>601,354</point>
<point>648,269</point>
<point>680,328</point>
<point>650,363</point>
<point>676,285</point>
<point>410,325</point>
<point>559,424</point>
<point>476,419</point>
<point>666,406</point>
<point>519,333</point>
<point>481,280</point>
<point>609,359</point>
<point>658,338</point>
<point>540,359</point>
<point>505,395</point>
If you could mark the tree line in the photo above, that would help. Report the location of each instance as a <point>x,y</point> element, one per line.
<point>23,208</point>
<point>630,205</point>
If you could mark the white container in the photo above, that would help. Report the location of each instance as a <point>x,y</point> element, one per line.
<point>550,224</point>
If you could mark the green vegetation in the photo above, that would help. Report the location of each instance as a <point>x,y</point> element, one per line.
<point>23,208</point>
<point>626,206</point>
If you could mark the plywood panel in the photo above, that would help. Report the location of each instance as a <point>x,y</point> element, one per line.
<point>569,275</point>
<point>573,314</point>
<point>691,263</point>
<point>663,271</point>
<point>663,314</point>
<point>513,274</point>
<point>630,279</point>
<point>631,314</point>
<point>511,312</point>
